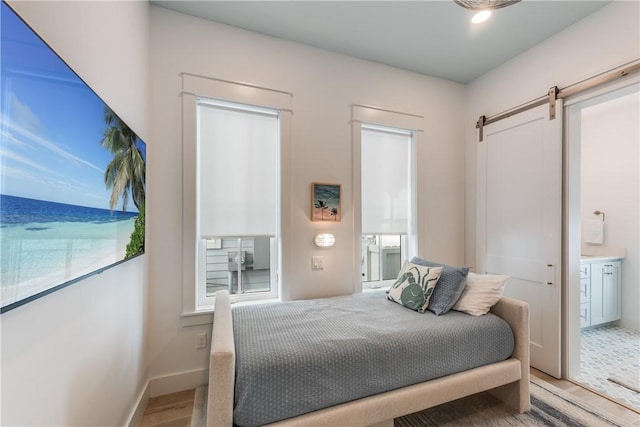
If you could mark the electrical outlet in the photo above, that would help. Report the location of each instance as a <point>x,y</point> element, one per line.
<point>201,340</point>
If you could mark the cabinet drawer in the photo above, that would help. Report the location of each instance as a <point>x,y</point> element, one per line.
<point>585,315</point>
<point>585,271</point>
<point>585,290</point>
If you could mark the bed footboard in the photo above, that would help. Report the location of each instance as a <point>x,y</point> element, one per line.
<point>222,365</point>
<point>516,314</point>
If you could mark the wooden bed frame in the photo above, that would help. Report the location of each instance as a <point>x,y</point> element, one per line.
<point>508,380</point>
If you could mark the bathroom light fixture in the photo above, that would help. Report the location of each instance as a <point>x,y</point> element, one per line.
<point>324,240</point>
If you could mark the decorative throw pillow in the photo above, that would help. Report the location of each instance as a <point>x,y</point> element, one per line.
<point>481,293</point>
<point>450,286</point>
<point>414,286</point>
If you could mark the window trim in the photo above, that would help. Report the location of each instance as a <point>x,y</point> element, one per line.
<point>194,87</point>
<point>362,115</point>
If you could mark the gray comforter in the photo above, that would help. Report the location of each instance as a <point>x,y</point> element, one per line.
<point>301,356</point>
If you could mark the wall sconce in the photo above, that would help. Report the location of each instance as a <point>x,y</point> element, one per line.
<point>324,240</point>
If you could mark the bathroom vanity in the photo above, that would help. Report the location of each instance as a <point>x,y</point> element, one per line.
<point>600,290</point>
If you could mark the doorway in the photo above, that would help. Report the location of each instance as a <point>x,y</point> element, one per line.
<point>602,242</point>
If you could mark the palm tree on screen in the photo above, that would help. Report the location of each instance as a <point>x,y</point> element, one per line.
<point>125,174</point>
<point>334,213</point>
<point>320,204</point>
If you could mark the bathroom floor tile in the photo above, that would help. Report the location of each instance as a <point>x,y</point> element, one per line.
<point>611,351</point>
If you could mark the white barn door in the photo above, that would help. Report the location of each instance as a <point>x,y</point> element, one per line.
<point>519,219</point>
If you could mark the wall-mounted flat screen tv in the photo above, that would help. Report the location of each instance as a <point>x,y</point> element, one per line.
<point>72,173</point>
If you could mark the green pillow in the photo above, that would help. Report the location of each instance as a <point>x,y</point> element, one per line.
<point>414,286</point>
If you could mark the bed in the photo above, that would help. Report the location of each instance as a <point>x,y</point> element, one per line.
<point>238,395</point>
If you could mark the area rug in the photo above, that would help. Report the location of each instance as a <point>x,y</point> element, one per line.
<point>550,406</point>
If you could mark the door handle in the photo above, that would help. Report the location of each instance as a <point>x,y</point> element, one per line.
<point>550,274</point>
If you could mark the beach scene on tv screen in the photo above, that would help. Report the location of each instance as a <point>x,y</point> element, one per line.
<point>72,173</point>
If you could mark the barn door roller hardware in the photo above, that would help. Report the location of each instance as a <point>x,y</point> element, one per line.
<point>554,93</point>
<point>480,125</point>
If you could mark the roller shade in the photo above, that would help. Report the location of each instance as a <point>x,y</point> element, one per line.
<point>237,170</point>
<point>385,180</point>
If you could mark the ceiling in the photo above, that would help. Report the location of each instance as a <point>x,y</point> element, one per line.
<point>435,38</point>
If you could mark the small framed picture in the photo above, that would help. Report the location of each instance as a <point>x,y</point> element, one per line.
<point>325,202</point>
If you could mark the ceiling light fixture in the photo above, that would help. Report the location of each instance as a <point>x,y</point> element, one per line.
<point>485,4</point>
<point>481,16</point>
<point>483,7</point>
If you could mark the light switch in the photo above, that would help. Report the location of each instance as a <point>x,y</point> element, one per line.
<point>317,262</point>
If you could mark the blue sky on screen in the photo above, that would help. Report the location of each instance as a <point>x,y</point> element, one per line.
<point>51,125</point>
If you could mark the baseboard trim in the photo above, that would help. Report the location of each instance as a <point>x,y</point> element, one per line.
<point>178,381</point>
<point>135,417</point>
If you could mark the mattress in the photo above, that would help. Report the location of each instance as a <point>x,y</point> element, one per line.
<point>297,357</point>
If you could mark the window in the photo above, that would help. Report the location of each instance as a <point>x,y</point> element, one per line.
<point>382,258</point>
<point>386,183</point>
<point>385,180</point>
<point>236,143</point>
<point>237,193</point>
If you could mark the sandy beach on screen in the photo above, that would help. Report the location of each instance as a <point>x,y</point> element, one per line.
<point>66,250</point>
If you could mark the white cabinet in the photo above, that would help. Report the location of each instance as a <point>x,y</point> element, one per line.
<point>585,295</point>
<point>600,296</point>
<point>605,292</point>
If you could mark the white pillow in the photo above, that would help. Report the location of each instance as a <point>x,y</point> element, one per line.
<point>481,293</point>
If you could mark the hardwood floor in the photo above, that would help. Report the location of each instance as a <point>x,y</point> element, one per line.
<point>169,410</point>
<point>174,410</point>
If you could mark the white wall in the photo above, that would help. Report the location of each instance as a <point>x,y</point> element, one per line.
<point>324,86</point>
<point>78,356</point>
<point>603,40</point>
<point>611,183</point>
